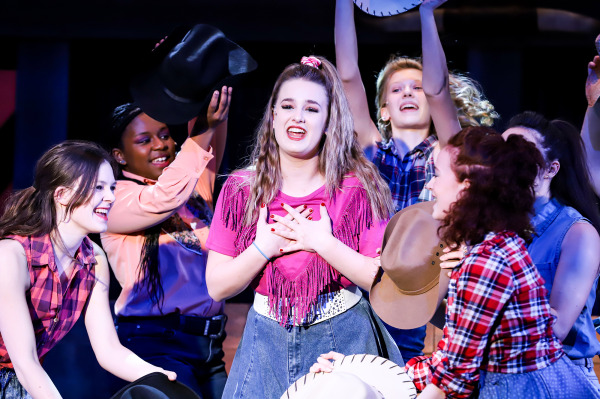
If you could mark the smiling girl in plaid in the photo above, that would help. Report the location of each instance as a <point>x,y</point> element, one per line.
<point>52,273</point>
<point>498,333</point>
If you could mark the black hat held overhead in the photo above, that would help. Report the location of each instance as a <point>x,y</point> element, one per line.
<point>175,89</point>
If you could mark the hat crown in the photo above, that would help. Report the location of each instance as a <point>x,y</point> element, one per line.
<point>197,63</point>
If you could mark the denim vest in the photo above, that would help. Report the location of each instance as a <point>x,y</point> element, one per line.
<point>551,225</point>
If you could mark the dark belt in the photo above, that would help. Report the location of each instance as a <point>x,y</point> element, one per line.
<point>212,327</point>
<point>586,362</point>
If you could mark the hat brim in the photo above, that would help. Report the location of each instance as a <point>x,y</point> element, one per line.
<point>173,389</point>
<point>383,374</point>
<point>386,8</point>
<point>406,311</point>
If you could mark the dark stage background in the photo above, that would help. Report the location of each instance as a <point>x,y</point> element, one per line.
<point>64,65</point>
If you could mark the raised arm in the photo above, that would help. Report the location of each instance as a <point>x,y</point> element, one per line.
<point>590,133</point>
<point>346,55</point>
<point>141,206</point>
<point>575,274</point>
<point>436,84</point>
<point>15,322</point>
<point>111,355</point>
<point>212,132</point>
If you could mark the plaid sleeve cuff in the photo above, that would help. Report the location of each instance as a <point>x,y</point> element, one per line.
<point>421,368</point>
<point>454,385</point>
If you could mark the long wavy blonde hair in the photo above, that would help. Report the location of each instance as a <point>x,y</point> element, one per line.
<point>473,109</point>
<point>339,154</point>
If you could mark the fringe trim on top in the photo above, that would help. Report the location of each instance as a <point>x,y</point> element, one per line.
<point>296,301</point>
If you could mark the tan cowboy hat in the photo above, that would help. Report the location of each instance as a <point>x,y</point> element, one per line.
<point>386,8</point>
<point>410,287</point>
<point>355,377</point>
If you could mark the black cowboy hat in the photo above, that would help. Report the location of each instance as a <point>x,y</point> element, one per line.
<point>184,69</point>
<point>155,386</point>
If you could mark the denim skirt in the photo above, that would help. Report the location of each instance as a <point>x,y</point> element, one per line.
<point>271,357</point>
<point>561,380</point>
<point>10,387</point>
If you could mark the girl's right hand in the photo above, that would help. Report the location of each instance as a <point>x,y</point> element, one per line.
<point>324,362</point>
<point>451,258</point>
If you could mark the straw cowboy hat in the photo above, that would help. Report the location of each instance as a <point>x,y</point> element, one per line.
<point>386,8</point>
<point>355,377</point>
<point>410,286</point>
<point>155,386</point>
<point>184,69</point>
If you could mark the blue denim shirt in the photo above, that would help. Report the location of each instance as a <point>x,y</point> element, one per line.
<point>551,224</point>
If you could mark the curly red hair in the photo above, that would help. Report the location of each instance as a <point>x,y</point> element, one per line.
<point>499,195</point>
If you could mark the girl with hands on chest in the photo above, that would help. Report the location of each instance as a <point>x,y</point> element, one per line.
<point>304,233</point>
<point>301,225</point>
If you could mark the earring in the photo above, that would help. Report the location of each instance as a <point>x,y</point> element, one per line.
<point>546,177</point>
<point>122,162</point>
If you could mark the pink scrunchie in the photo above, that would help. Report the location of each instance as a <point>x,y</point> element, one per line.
<point>311,61</point>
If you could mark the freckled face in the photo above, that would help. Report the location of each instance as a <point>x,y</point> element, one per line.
<point>300,116</point>
<point>445,186</point>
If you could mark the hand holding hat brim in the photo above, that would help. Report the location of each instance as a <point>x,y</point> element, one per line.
<point>592,85</point>
<point>386,8</point>
<point>158,382</point>
<point>183,73</point>
<point>355,376</point>
<point>410,286</point>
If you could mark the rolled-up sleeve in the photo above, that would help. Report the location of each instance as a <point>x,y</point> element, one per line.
<point>138,207</point>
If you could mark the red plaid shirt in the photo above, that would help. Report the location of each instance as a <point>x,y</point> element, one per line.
<point>54,309</point>
<point>496,299</point>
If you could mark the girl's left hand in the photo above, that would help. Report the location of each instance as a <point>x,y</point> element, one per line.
<point>304,233</point>
<point>591,85</point>
<point>324,364</point>
<point>216,113</point>
<point>171,375</point>
<point>432,4</point>
<point>218,109</point>
<point>451,258</point>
